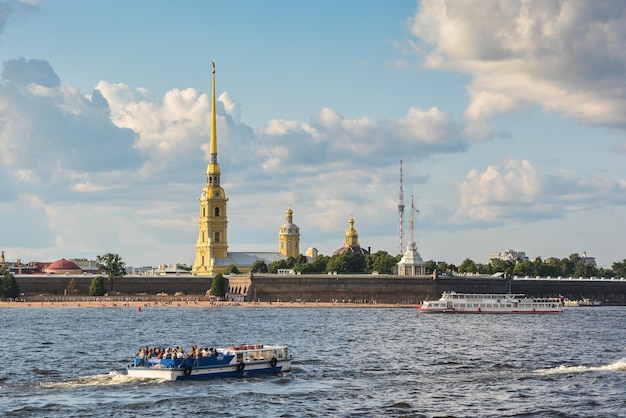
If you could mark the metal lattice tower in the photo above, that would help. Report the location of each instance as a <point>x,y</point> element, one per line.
<point>401,216</point>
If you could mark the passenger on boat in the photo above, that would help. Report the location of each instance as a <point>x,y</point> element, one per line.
<point>177,352</point>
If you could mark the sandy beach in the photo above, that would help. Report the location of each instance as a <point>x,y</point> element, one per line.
<point>143,305</point>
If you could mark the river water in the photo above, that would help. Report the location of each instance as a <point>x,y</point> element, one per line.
<point>357,362</point>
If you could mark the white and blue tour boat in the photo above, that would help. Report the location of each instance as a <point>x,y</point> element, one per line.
<point>452,302</point>
<point>234,361</point>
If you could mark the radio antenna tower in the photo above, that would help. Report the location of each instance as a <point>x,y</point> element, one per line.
<point>400,215</point>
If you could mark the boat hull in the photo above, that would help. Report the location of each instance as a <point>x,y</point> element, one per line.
<point>489,311</point>
<point>209,372</point>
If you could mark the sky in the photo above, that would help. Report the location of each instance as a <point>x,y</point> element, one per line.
<point>509,118</point>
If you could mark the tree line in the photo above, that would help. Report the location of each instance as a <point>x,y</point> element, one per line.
<point>347,262</point>
<point>572,266</point>
<point>384,263</point>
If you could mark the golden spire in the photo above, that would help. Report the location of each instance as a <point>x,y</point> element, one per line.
<point>213,167</point>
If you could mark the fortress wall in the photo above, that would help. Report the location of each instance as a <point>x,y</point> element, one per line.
<point>310,287</point>
<point>611,291</point>
<point>56,284</point>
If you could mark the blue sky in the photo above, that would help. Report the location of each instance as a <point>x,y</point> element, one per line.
<point>509,118</point>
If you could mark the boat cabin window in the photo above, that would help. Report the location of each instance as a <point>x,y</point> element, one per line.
<point>282,353</point>
<point>261,355</point>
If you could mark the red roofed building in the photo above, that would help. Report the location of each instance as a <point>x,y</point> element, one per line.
<point>63,266</point>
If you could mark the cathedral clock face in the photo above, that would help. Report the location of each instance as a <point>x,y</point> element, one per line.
<point>216,194</point>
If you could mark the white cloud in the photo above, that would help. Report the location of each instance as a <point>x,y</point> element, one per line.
<point>520,193</point>
<point>567,56</point>
<point>330,138</point>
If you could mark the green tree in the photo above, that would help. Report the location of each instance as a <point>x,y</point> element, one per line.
<point>585,270</point>
<point>346,262</point>
<point>291,261</point>
<point>382,262</point>
<point>443,266</point>
<point>319,264</point>
<point>278,264</point>
<point>259,266</point>
<point>572,261</point>
<point>602,272</point>
<point>551,267</point>
<point>301,259</point>
<point>112,265</point>
<point>8,285</point>
<point>231,269</point>
<point>97,287</point>
<point>303,267</point>
<point>524,268</point>
<point>431,266</point>
<point>484,268</point>
<point>336,263</point>
<point>183,266</point>
<point>219,287</point>
<point>504,266</point>
<point>468,266</point>
<point>619,267</point>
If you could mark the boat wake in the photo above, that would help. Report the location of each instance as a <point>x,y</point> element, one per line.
<point>110,379</point>
<point>619,365</point>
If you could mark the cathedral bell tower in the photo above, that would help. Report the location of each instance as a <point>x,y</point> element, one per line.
<point>212,240</point>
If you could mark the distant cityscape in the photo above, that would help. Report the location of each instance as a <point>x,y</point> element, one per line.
<point>85,266</point>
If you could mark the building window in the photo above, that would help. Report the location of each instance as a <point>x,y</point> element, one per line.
<point>217,212</point>
<point>217,237</point>
<point>289,245</point>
